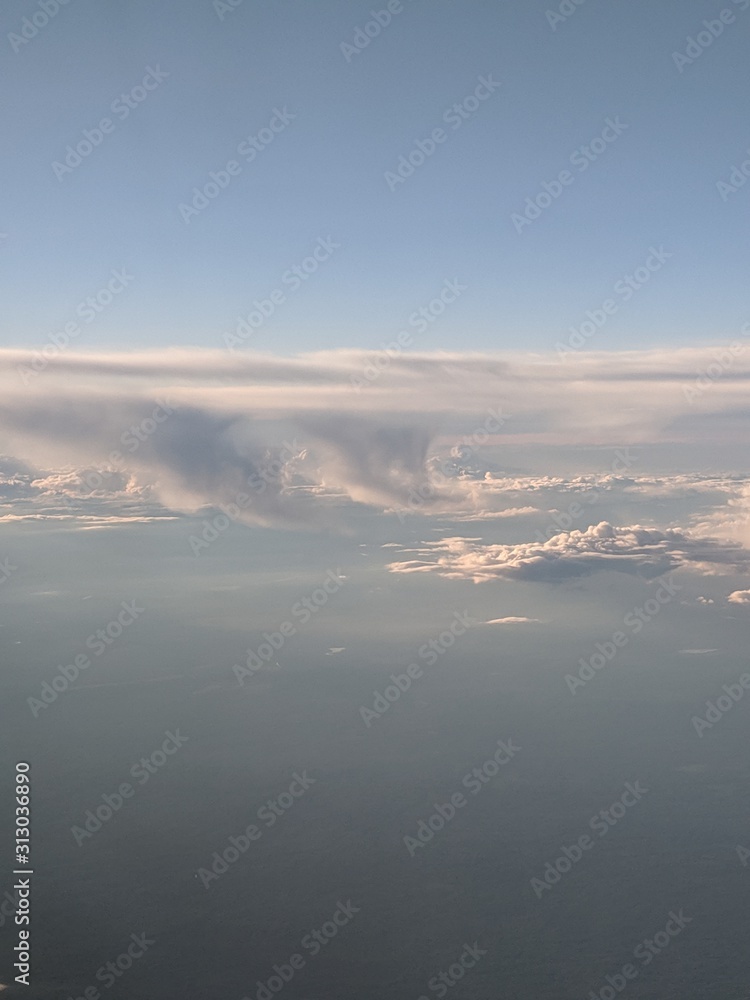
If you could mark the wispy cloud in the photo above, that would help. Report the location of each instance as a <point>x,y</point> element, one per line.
<point>512,620</point>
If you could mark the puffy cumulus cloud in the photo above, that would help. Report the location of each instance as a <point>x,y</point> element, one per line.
<point>739,597</point>
<point>87,495</point>
<point>638,550</point>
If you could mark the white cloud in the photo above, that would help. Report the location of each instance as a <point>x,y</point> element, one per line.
<point>636,550</point>
<point>732,519</point>
<point>511,621</point>
<point>492,515</point>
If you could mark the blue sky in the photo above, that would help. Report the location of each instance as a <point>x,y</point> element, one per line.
<point>323,174</point>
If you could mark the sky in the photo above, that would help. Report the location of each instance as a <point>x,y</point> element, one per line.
<point>324,174</point>
<point>374,499</point>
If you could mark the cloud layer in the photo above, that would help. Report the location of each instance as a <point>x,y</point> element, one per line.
<point>200,428</point>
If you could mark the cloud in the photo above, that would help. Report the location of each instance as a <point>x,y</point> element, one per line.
<point>192,458</point>
<point>535,389</point>
<point>85,522</point>
<point>739,597</point>
<point>87,482</point>
<point>492,515</point>
<point>635,550</point>
<point>511,621</point>
<point>732,519</point>
<point>230,415</point>
<point>378,462</point>
<point>489,497</point>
